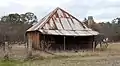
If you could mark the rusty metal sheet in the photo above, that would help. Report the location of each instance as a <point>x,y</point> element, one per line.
<point>57,22</point>
<point>77,25</point>
<point>64,32</point>
<point>47,26</point>
<point>60,13</point>
<point>49,32</point>
<point>58,31</point>
<point>73,33</point>
<point>65,24</point>
<point>71,23</point>
<point>68,33</point>
<point>52,25</point>
<point>83,33</point>
<point>93,32</point>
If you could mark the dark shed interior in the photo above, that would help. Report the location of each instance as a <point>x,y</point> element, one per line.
<point>58,42</point>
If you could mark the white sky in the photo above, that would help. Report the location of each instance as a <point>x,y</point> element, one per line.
<point>101,10</point>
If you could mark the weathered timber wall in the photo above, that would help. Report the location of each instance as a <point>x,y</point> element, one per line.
<point>34,39</point>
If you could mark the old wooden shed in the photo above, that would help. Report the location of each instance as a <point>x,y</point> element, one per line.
<point>59,30</point>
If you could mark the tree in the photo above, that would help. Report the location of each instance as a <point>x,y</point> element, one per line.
<point>28,17</point>
<point>11,19</point>
<point>31,18</point>
<point>14,18</point>
<point>23,18</point>
<point>118,20</point>
<point>4,19</point>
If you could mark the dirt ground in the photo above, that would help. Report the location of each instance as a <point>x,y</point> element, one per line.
<point>108,57</point>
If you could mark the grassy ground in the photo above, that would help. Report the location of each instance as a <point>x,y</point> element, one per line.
<point>108,57</point>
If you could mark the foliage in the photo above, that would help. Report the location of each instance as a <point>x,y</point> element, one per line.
<point>16,18</point>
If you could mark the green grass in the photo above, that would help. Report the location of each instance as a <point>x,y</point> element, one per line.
<point>31,62</point>
<point>9,62</point>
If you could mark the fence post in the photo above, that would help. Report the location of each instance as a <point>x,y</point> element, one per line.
<point>29,47</point>
<point>6,55</point>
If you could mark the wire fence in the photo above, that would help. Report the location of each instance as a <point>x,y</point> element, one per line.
<point>13,50</point>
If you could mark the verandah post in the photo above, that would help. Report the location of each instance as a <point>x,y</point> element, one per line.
<point>93,44</point>
<point>64,43</point>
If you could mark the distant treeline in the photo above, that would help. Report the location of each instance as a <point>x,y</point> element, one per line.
<point>14,26</point>
<point>108,29</point>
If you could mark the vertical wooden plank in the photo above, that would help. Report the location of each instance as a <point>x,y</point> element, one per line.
<point>37,40</point>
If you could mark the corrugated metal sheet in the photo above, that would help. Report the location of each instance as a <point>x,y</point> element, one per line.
<point>69,33</point>
<point>59,22</point>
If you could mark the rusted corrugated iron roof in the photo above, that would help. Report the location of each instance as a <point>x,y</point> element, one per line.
<point>59,22</point>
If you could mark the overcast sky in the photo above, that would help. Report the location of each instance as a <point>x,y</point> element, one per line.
<point>102,10</point>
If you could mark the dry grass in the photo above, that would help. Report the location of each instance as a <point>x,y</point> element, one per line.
<point>108,57</point>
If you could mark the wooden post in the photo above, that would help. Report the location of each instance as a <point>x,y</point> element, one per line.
<point>29,45</point>
<point>100,45</point>
<point>64,42</point>
<point>6,55</point>
<point>43,45</point>
<point>93,44</point>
